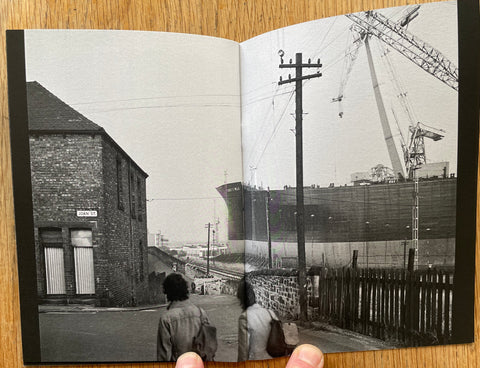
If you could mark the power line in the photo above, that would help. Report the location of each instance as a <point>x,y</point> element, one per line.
<point>259,87</point>
<point>160,107</point>
<point>266,98</point>
<point>333,40</point>
<point>271,109</point>
<point>275,129</point>
<point>328,31</point>
<point>151,98</point>
<point>181,199</point>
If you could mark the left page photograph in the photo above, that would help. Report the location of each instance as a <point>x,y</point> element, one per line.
<point>119,143</point>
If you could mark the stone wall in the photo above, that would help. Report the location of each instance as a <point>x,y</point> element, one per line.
<point>277,290</point>
<point>168,259</point>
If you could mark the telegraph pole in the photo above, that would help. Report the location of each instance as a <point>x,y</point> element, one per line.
<point>298,79</point>
<point>208,248</point>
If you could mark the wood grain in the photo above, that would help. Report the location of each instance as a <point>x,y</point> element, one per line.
<point>234,19</point>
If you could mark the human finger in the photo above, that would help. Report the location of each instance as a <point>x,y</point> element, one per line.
<point>189,360</point>
<point>306,356</point>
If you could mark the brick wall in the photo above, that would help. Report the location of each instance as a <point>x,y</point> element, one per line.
<point>66,177</point>
<point>73,172</point>
<point>126,258</point>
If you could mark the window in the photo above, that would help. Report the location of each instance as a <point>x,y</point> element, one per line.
<point>121,205</point>
<point>52,244</point>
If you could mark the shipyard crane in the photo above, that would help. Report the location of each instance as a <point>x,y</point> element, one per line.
<point>413,48</point>
<point>395,35</point>
<point>414,150</point>
<point>350,56</point>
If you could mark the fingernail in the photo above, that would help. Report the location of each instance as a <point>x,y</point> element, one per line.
<point>310,355</point>
<point>189,360</point>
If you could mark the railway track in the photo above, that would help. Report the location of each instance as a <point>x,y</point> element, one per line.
<point>231,275</point>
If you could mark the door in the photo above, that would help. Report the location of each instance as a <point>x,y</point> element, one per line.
<point>83,256</point>
<point>52,243</point>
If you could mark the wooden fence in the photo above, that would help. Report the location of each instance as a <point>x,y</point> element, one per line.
<point>414,308</point>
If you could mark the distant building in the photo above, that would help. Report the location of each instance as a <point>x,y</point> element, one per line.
<point>201,251</point>
<point>157,240</point>
<point>89,207</point>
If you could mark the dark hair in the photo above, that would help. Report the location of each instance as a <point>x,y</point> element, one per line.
<point>175,287</point>
<point>245,294</point>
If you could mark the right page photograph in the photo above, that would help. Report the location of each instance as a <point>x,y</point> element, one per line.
<point>350,135</point>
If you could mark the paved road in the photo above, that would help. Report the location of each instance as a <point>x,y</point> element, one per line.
<point>109,336</point>
<point>336,340</point>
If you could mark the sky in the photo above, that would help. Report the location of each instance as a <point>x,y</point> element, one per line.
<point>171,101</point>
<point>335,147</point>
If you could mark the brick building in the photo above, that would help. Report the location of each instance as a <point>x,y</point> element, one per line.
<point>89,207</point>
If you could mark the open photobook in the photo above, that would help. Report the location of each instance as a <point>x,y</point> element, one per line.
<point>322,174</point>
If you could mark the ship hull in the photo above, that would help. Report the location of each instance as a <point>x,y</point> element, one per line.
<point>375,220</point>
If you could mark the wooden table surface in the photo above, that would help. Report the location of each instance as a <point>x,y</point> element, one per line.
<point>234,19</point>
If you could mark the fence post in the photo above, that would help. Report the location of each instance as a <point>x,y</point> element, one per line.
<point>440,307</point>
<point>348,299</point>
<point>409,301</point>
<point>355,259</point>
<point>411,259</point>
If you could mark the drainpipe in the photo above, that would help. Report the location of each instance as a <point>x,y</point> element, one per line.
<point>132,267</point>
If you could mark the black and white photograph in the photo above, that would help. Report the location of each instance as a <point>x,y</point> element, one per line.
<point>130,133</point>
<point>378,120</point>
<point>189,193</point>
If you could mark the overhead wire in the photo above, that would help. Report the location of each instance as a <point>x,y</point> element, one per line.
<point>275,129</point>
<point>150,98</point>
<point>160,107</point>
<point>264,122</point>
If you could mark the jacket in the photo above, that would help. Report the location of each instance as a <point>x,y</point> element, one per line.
<point>176,329</point>
<point>253,333</point>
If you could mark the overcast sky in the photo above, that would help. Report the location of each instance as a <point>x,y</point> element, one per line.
<point>172,102</point>
<point>334,147</point>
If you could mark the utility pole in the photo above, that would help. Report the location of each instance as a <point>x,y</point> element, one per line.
<point>415,217</point>
<point>298,79</point>
<point>267,209</point>
<point>208,248</point>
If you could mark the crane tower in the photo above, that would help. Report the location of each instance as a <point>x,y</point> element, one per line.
<point>395,35</point>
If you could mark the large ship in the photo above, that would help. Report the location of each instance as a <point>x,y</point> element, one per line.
<point>376,219</point>
<point>381,214</point>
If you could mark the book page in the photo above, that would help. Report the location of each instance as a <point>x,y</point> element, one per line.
<point>130,135</point>
<point>162,172</point>
<point>350,133</point>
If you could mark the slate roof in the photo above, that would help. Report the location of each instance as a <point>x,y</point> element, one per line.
<point>47,112</point>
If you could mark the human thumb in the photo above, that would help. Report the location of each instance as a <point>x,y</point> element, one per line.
<point>306,356</point>
<point>189,360</point>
